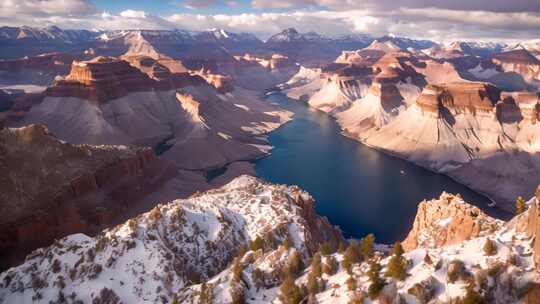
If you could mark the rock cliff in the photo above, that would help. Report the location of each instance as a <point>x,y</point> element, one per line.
<point>51,189</point>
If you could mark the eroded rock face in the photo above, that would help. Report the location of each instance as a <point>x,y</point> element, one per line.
<point>519,61</point>
<point>447,221</point>
<point>100,79</point>
<point>51,189</point>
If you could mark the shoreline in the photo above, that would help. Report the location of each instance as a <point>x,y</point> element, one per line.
<point>505,214</point>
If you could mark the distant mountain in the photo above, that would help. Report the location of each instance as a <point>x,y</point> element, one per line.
<point>313,49</point>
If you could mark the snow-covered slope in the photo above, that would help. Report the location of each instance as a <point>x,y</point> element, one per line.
<point>152,257</point>
<point>184,252</point>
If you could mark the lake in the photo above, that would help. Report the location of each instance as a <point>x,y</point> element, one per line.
<point>358,188</point>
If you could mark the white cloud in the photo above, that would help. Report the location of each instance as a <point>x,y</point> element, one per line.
<point>133,14</point>
<point>46,7</point>
<point>430,23</point>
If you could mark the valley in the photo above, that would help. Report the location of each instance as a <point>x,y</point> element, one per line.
<point>170,165</point>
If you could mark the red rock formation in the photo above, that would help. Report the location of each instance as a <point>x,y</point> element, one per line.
<point>105,78</point>
<point>447,221</point>
<point>67,189</point>
<point>471,97</point>
<point>57,62</point>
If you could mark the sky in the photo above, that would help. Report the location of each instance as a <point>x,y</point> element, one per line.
<point>439,20</point>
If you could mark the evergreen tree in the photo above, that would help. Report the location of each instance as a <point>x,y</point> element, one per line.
<point>326,248</point>
<point>330,265</point>
<point>376,282</point>
<point>295,264</point>
<point>290,293</point>
<point>427,259</point>
<point>490,248</point>
<point>397,265</point>
<point>257,244</point>
<point>258,278</point>
<point>315,267</point>
<point>313,284</point>
<point>174,299</point>
<point>353,253</point>
<point>367,246</point>
<point>521,206</point>
<point>206,295</point>
<point>342,246</point>
<point>237,270</point>
<point>351,283</point>
<point>237,293</point>
<point>287,243</point>
<point>472,296</point>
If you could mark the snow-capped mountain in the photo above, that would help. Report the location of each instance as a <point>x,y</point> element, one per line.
<point>254,242</point>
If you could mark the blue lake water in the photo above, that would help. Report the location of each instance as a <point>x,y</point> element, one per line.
<point>358,188</point>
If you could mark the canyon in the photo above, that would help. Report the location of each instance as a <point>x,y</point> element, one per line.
<point>130,156</point>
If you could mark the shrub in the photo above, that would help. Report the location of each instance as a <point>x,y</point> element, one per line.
<point>257,244</point>
<point>330,265</point>
<point>472,296</point>
<point>237,270</point>
<point>290,293</point>
<point>521,206</point>
<point>315,267</point>
<point>427,259</point>
<point>295,264</point>
<point>456,270</point>
<point>397,265</point>
<point>313,286</point>
<point>326,248</point>
<point>56,266</point>
<point>206,295</point>
<point>490,248</point>
<point>367,246</point>
<point>351,283</point>
<point>376,282</point>
<point>238,295</point>
<point>258,278</point>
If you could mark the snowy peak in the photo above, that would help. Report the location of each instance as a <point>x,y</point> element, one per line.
<point>175,245</point>
<point>287,35</point>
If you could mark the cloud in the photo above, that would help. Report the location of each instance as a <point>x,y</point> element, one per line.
<point>436,23</point>
<point>194,4</point>
<point>462,5</point>
<point>46,7</point>
<point>133,14</point>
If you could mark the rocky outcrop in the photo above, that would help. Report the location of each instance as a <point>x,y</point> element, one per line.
<point>177,244</point>
<point>62,189</point>
<point>448,220</point>
<point>100,79</point>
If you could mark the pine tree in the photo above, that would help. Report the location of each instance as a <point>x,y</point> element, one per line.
<point>398,249</point>
<point>257,244</point>
<point>376,282</point>
<point>287,243</point>
<point>290,292</point>
<point>257,277</point>
<point>315,267</point>
<point>520,205</point>
<point>313,283</point>
<point>174,299</point>
<point>206,295</point>
<point>295,264</point>
<point>342,246</point>
<point>427,259</point>
<point>490,248</point>
<point>472,296</point>
<point>351,283</point>
<point>367,246</point>
<point>353,253</point>
<point>326,248</point>
<point>237,270</point>
<point>397,265</point>
<point>330,265</point>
